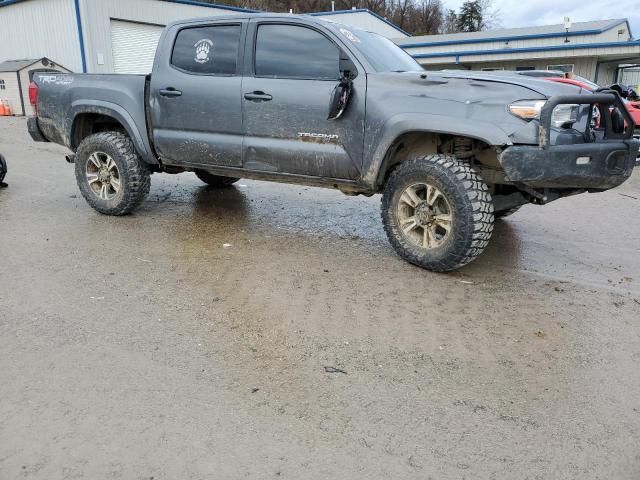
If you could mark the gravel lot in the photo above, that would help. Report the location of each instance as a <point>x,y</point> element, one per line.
<point>141,348</point>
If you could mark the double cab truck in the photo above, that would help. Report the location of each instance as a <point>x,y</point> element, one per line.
<point>297,99</point>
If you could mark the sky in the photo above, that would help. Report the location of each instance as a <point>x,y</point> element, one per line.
<point>525,13</point>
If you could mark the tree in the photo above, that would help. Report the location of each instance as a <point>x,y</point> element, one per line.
<point>421,17</point>
<point>471,18</point>
<point>429,17</point>
<point>450,24</point>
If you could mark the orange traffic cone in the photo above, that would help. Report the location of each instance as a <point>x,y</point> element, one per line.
<point>3,111</point>
<point>7,108</point>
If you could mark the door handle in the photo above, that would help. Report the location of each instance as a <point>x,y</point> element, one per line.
<point>258,96</point>
<point>170,92</point>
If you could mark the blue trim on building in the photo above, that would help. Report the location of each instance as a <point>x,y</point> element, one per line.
<point>76,4</point>
<point>527,49</point>
<point>6,3</point>
<point>532,36</point>
<point>360,10</point>
<point>212,5</point>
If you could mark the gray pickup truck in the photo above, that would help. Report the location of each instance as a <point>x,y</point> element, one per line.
<point>297,99</point>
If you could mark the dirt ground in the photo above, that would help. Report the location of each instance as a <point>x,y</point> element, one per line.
<point>141,347</point>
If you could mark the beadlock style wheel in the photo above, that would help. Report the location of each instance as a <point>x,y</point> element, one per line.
<point>103,175</point>
<point>425,215</point>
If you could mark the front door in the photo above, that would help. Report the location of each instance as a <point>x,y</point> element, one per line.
<point>196,111</point>
<point>287,96</point>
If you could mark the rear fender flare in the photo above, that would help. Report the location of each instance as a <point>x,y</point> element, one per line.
<point>418,122</point>
<point>115,111</point>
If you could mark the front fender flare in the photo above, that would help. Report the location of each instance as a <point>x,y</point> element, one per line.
<point>140,140</point>
<point>427,123</point>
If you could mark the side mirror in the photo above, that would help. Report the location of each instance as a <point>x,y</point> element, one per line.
<point>340,98</point>
<point>342,93</point>
<point>347,67</point>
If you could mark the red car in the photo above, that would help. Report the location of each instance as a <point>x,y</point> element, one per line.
<point>632,107</point>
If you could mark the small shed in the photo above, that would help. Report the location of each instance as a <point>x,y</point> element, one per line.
<point>15,77</point>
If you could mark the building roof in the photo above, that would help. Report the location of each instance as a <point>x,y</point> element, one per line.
<point>185,2</point>
<point>362,10</point>
<point>523,33</point>
<point>17,65</point>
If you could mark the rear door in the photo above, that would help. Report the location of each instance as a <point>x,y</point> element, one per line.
<point>287,91</point>
<point>196,111</point>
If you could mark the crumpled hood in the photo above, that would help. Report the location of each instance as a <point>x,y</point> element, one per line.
<point>537,85</point>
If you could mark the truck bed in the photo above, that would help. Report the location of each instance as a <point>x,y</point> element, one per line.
<point>62,96</point>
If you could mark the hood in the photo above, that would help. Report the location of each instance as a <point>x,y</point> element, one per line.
<point>539,86</point>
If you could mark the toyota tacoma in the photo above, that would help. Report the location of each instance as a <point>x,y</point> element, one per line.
<point>297,99</point>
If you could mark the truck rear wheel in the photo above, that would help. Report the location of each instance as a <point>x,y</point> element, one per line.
<point>112,177</point>
<point>215,180</point>
<point>437,212</point>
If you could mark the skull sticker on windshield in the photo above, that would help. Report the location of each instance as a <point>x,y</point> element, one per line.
<point>350,35</point>
<point>203,48</point>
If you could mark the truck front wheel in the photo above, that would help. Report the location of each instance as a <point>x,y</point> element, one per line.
<point>437,212</point>
<point>215,180</point>
<point>111,176</point>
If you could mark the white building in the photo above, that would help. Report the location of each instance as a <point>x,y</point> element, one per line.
<point>107,36</point>
<point>595,50</point>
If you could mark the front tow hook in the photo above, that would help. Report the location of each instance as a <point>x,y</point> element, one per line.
<point>71,158</point>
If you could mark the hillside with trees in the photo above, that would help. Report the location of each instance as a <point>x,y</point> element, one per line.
<point>418,17</point>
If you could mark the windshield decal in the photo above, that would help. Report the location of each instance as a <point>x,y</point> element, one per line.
<point>350,35</point>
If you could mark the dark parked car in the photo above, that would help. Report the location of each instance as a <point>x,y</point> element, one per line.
<point>298,99</point>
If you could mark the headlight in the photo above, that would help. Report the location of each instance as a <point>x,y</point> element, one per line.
<point>564,114</point>
<point>527,109</point>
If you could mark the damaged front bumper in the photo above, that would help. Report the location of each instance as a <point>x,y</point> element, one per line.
<point>587,166</point>
<point>604,160</point>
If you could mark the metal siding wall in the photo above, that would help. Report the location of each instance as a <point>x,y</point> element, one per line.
<point>631,77</point>
<point>499,45</point>
<point>365,21</point>
<point>11,91</point>
<point>37,29</point>
<point>97,14</point>
<point>607,74</point>
<point>585,67</point>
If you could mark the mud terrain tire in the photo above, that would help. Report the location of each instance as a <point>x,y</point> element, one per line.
<point>215,180</point>
<point>461,196</point>
<point>133,176</point>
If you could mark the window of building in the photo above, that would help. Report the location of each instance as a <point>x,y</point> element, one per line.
<point>525,68</point>
<point>211,50</point>
<point>493,69</point>
<point>566,67</point>
<point>2,86</point>
<point>291,51</point>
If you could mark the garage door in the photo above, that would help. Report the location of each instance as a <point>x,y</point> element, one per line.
<point>133,46</point>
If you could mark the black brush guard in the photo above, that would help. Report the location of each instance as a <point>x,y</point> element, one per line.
<point>604,159</point>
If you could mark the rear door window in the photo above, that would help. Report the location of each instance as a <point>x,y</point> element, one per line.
<point>210,50</point>
<point>292,51</point>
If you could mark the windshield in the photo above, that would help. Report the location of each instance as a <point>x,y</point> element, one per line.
<point>380,52</point>
<point>588,83</point>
